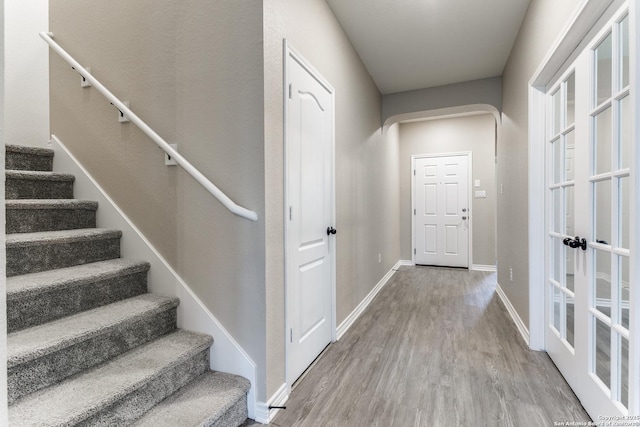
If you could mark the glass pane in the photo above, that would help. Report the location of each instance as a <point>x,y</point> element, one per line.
<point>623,214</point>
<point>558,253</point>
<point>555,121</point>
<point>569,156</point>
<point>602,143</point>
<point>571,100</point>
<point>556,148</point>
<point>603,70</point>
<point>624,371</point>
<point>556,307</point>
<point>603,352</point>
<point>569,268</point>
<point>569,322</point>
<point>555,199</point>
<point>603,281</point>
<point>624,291</point>
<point>624,151</point>
<point>602,211</point>
<point>568,210</point>
<point>624,41</point>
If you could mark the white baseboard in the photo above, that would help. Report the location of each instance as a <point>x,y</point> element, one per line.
<point>226,354</point>
<point>351,318</point>
<point>405,262</point>
<point>522,328</point>
<point>263,414</point>
<point>480,267</point>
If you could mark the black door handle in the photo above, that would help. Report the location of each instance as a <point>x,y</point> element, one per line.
<point>331,230</point>
<point>577,242</point>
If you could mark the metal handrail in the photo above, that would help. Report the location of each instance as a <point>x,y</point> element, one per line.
<point>132,117</point>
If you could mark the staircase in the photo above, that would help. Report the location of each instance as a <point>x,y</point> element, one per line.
<point>87,345</point>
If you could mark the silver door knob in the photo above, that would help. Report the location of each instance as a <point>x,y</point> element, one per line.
<point>464,209</point>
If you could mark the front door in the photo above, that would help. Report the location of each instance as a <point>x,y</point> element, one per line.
<point>310,240</point>
<point>588,225</point>
<point>441,210</point>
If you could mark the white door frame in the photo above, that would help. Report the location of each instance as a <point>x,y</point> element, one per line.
<point>290,54</point>
<point>469,155</point>
<point>572,41</point>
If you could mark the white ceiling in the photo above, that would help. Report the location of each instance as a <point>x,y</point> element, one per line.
<point>415,44</point>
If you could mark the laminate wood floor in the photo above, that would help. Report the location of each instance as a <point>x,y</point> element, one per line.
<point>436,347</point>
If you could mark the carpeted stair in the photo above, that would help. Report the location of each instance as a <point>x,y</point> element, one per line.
<point>87,345</point>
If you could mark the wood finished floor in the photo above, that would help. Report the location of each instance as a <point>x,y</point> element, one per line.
<point>435,348</point>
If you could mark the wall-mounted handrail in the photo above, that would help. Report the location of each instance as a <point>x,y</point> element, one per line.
<point>133,118</point>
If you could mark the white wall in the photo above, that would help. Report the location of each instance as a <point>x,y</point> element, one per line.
<point>474,133</point>
<point>26,72</point>
<point>366,165</point>
<point>542,24</point>
<point>193,72</point>
<point>3,278</point>
<point>476,95</point>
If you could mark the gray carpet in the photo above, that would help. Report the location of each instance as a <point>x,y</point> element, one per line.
<point>87,345</point>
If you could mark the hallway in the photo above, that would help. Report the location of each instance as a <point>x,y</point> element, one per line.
<point>435,348</point>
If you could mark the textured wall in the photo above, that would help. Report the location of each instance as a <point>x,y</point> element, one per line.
<point>3,251</point>
<point>541,26</point>
<point>193,71</point>
<point>366,165</point>
<point>476,95</point>
<point>470,133</point>
<point>26,73</point>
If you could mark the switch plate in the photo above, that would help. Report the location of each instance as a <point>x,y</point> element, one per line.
<point>476,183</point>
<point>480,194</point>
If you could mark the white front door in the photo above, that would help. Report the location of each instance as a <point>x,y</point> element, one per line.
<point>310,241</point>
<point>441,210</point>
<point>589,172</point>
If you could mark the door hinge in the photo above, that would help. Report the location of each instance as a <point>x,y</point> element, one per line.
<point>414,211</point>
<point>414,172</point>
<point>414,251</point>
<point>290,213</point>
<point>290,90</point>
<point>291,334</point>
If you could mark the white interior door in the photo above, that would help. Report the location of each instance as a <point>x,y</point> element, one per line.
<point>441,210</point>
<point>309,221</point>
<point>589,238</point>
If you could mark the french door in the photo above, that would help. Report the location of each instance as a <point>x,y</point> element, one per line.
<point>588,157</point>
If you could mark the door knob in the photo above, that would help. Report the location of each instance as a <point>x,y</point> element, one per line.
<point>331,230</point>
<point>464,217</point>
<point>464,209</point>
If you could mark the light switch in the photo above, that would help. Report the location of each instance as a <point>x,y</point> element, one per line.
<point>476,183</point>
<point>481,194</point>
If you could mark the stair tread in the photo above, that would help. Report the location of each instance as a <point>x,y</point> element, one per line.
<point>44,281</point>
<point>60,236</point>
<point>85,394</point>
<point>51,204</point>
<point>37,341</point>
<point>201,402</point>
<point>39,175</point>
<point>28,149</point>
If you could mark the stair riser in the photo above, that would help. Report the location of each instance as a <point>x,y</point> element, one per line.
<point>35,220</point>
<point>31,310</point>
<point>52,368</point>
<point>140,401</point>
<point>52,255</point>
<point>234,416</point>
<point>28,162</point>
<point>17,188</point>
